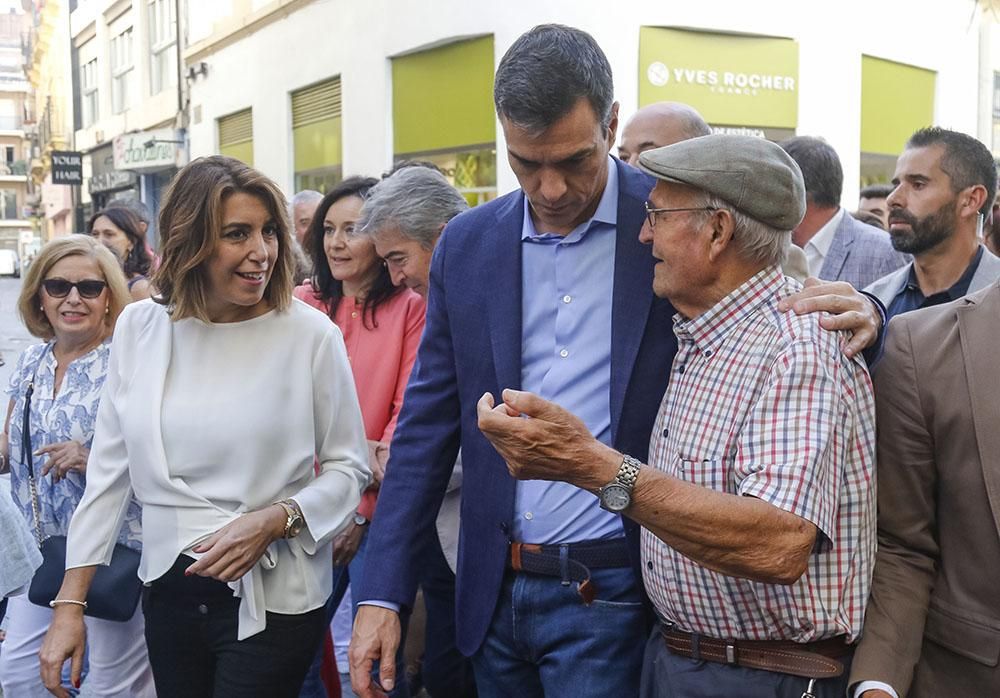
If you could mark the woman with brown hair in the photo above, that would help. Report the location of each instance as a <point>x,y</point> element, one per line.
<point>120,230</point>
<point>224,392</point>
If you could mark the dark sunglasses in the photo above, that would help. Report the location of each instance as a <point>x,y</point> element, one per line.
<point>60,288</point>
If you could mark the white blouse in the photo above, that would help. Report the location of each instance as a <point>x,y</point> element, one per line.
<point>208,421</point>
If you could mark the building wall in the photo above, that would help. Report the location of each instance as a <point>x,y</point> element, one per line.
<point>268,49</point>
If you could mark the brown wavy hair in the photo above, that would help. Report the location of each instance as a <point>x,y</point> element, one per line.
<point>191,226</point>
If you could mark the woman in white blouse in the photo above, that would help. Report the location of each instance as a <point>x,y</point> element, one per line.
<point>220,394</point>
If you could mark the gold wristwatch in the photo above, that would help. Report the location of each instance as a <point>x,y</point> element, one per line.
<point>294,523</point>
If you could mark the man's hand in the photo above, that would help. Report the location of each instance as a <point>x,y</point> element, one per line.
<point>63,457</point>
<point>540,440</point>
<point>230,552</point>
<point>849,310</point>
<point>375,637</point>
<point>345,546</point>
<point>65,639</point>
<point>378,456</point>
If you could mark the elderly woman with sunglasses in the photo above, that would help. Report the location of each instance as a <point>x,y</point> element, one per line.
<point>71,298</point>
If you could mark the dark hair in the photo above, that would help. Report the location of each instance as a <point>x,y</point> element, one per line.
<point>876,191</point>
<point>191,225</point>
<point>546,71</point>
<point>138,260</point>
<point>966,161</point>
<point>325,287</point>
<point>821,170</point>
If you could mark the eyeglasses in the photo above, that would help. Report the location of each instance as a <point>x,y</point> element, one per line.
<point>88,288</point>
<point>651,212</point>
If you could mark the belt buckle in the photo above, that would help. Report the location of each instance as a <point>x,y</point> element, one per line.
<point>731,653</point>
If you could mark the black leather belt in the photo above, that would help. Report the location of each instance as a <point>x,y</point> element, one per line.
<point>571,562</point>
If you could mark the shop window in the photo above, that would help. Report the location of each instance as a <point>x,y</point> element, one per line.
<point>162,45</point>
<point>121,71</point>
<point>88,92</point>
<point>316,136</point>
<point>236,136</point>
<point>442,112</point>
<point>8,205</point>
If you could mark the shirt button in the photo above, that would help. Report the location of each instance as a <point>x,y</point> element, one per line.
<point>649,565</point>
<point>203,609</point>
<point>666,433</point>
<point>528,515</point>
<point>708,353</point>
<point>564,353</point>
<point>354,313</point>
<point>680,370</point>
<point>567,299</point>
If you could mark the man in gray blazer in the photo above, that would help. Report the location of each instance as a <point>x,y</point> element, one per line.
<point>944,182</point>
<point>837,246</point>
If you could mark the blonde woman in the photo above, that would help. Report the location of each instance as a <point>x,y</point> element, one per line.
<point>71,298</point>
<point>221,392</point>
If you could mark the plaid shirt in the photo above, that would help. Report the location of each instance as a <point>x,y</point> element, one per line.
<point>764,404</point>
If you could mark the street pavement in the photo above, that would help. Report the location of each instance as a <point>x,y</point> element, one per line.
<point>13,337</point>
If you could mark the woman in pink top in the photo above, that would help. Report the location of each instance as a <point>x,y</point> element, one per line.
<point>381,325</point>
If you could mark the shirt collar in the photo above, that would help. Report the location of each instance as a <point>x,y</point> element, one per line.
<point>708,330</point>
<point>958,289</point>
<point>823,238</point>
<point>606,212</point>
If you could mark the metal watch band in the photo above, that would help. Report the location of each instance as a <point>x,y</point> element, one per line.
<point>628,472</point>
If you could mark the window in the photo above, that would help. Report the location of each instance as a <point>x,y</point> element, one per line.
<point>316,135</point>
<point>162,45</point>
<point>236,136</point>
<point>121,71</point>
<point>8,205</point>
<point>88,92</point>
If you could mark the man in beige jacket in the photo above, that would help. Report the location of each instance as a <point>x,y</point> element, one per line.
<point>933,622</point>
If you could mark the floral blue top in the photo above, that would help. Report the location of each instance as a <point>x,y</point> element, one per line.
<point>71,415</point>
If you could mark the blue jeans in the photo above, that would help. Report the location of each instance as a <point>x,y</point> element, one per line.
<point>351,574</point>
<point>667,675</point>
<point>543,640</point>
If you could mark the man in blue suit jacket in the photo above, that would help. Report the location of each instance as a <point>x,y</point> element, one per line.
<point>837,247</point>
<point>545,289</point>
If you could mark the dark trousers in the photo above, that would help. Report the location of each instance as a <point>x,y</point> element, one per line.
<point>191,625</point>
<point>667,675</point>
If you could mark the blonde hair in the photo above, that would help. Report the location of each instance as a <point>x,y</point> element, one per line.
<point>29,302</point>
<point>191,226</point>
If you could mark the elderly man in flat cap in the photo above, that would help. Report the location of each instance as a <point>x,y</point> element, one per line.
<point>758,499</point>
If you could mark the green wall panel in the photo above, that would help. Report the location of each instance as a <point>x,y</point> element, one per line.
<point>896,100</point>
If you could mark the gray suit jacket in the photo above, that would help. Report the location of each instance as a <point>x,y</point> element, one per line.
<point>859,254</point>
<point>886,288</point>
<point>932,628</point>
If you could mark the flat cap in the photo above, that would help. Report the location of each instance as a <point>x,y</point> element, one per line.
<point>753,174</point>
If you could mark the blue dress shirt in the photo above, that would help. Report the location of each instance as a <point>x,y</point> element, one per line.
<point>567,286</point>
<point>910,297</point>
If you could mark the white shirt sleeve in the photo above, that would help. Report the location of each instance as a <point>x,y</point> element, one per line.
<point>874,685</point>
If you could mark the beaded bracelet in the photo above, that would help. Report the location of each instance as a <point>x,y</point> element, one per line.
<point>55,602</point>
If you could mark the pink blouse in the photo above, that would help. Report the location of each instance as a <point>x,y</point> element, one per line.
<point>381,358</point>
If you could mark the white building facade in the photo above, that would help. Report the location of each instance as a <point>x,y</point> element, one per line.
<point>861,74</point>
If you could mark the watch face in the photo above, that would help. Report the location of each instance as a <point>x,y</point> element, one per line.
<point>360,520</point>
<point>296,527</point>
<point>615,498</point>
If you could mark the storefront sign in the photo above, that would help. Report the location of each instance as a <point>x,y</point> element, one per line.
<point>112,180</point>
<point>150,151</point>
<point>67,167</point>
<point>729,79</point>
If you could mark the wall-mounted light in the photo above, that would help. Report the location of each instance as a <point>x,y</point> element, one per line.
<point>199,68</point>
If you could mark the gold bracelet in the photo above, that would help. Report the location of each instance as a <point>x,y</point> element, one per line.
<point>55,602</point>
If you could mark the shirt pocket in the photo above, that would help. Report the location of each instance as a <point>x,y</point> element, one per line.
<point>708,471</point>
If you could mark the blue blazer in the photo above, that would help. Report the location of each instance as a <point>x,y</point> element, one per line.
<point>472,344</point>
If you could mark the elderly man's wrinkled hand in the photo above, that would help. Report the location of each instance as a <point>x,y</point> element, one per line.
<point>848,309</point>
<point>540,440</point>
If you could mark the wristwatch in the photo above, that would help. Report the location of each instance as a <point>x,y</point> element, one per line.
<point>616,496</point>
<point>360,520</point>
<point>294,522</point>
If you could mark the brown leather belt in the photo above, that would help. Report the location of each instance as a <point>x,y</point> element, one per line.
<point>570,562</point>
<point>811,660</point>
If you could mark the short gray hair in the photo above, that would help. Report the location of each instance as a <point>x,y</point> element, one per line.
<point>417,201</point>
<point>757,242</point>
<point>306,196</point>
